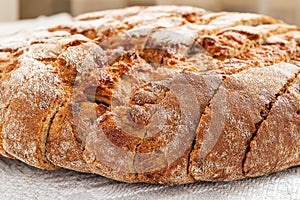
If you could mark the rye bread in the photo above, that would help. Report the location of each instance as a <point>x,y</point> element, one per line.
<point>165,94</point>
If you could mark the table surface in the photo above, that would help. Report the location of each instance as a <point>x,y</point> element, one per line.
<point>20,181</point>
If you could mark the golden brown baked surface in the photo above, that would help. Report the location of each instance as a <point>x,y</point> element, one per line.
<point>162,94</point>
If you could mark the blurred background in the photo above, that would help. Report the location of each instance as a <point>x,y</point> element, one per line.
<point>10,10</point>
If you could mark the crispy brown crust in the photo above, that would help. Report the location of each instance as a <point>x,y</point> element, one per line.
<point>279,130</point>
<point>164,94</point>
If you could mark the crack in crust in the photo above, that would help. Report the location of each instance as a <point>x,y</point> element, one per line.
<point>143,140</point>
<point>195,135</point>
<point>47,132</point>
<point>264,114</point>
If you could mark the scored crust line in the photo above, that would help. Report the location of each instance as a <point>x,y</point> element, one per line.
<point>265,115</point>
<point>195,135</point>
<point>47,131</point>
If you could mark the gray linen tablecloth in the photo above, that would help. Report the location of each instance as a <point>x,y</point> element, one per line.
<point>20,181</point>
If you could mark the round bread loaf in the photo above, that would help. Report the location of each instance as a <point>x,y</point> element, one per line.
<point>164,94</point>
